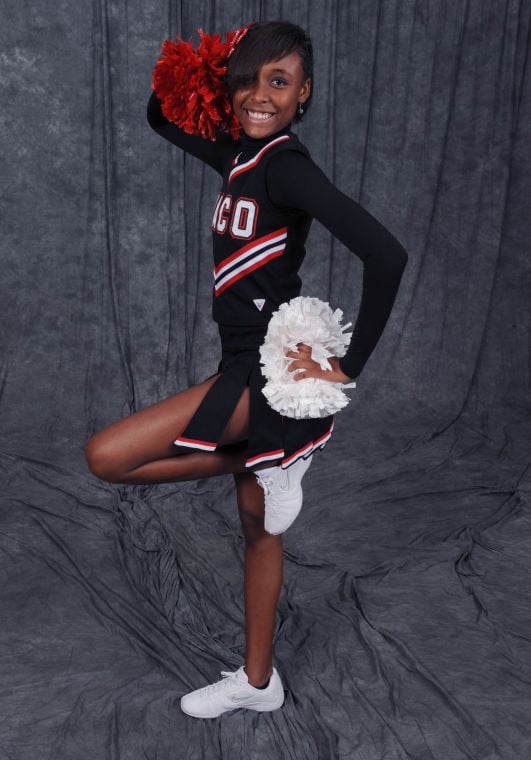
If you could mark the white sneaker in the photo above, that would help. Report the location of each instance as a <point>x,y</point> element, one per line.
<point>232,692</point>
<point>283,494</point>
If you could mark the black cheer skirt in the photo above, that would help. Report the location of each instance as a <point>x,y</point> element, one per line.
<point>272,437</point>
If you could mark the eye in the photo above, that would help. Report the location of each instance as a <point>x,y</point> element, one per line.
<point>278,82</point>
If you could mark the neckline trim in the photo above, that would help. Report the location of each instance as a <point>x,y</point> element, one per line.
<point>248,143</point>
<point>252,162</point>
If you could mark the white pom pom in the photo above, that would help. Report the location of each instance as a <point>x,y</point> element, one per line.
<point>311,321</point>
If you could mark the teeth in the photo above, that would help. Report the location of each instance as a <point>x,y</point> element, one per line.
<point>259,115</point>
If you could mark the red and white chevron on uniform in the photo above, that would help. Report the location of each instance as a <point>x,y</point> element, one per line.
<point>249,258</point>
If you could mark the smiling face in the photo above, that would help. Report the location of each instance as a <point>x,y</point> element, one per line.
<point>268,104</point>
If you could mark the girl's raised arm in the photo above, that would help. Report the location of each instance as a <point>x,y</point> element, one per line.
<point>212,153</point>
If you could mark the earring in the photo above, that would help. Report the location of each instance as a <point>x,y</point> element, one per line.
<point>300,109</point>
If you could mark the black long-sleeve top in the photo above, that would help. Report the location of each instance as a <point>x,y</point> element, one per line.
<point>297,190</point>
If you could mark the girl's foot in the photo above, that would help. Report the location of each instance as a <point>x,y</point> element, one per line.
<point>283,494</point>
<point>232,692</point>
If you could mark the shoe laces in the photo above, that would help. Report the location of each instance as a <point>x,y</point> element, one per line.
<point>266,482</point>
<point>278,480</point>
<point>212,688</point>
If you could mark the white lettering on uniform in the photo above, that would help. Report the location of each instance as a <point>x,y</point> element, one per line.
<point>243,221</point>
<point>216,211</point>
<point>240,217</point>
<point>223,214</point>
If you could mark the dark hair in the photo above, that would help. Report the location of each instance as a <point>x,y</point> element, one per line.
<point>264,42</point>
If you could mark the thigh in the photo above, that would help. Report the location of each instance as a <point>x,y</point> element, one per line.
<point>148,435</point>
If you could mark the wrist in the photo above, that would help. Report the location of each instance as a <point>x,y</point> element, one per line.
<point>349,372</point>
<point>340,373</point>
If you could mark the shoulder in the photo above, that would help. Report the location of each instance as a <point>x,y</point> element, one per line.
<point>295,180</point>
<point>290,143</point>
<point>295,162</point>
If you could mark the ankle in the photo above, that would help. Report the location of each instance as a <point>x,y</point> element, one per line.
<point>258,678</point>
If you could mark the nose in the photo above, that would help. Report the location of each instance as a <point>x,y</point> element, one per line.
<point>259,92</point>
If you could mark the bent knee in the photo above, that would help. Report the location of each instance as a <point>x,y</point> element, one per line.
<point>102,460</point>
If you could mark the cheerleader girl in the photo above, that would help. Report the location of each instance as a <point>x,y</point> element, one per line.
<point>240,125</point>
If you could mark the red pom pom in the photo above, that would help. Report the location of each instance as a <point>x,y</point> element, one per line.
<point>191,87</point>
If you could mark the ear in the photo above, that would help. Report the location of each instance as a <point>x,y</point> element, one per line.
<point>304,92</point>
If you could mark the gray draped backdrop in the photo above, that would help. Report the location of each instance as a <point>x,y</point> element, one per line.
<point>405,618</point>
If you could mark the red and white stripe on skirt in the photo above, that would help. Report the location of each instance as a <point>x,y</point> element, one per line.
<point>272,437</point>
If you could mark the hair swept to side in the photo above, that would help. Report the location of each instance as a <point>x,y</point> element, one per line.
<point>264,42</point>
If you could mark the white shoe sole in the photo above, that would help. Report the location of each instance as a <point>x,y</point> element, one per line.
<point>258,708</point>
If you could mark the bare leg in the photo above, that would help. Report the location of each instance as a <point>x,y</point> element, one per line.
<point>140,449</point>
<point>262,579</point>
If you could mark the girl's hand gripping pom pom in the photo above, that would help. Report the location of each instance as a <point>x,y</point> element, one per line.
<point>300,361</point>
<point>306,366</point>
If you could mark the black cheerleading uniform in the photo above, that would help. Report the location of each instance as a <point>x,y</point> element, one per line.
<point>271,190</point>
